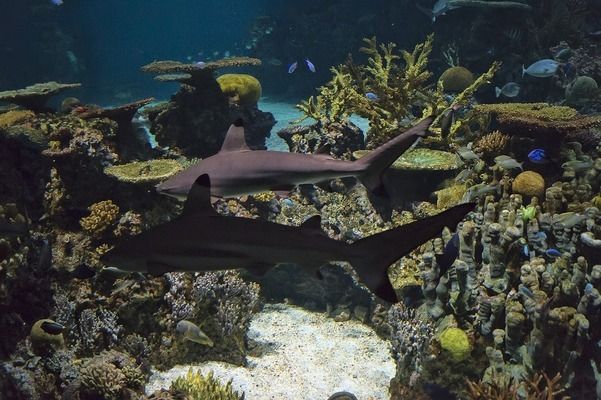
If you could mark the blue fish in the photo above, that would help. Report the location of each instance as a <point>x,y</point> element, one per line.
<point>371,96</point>
<point>588,289</point>
<point>540,235</point>
<point>541,69</point>
<point>292,67</point>
<point>57,2</point>
<point>310,65</point>
<point>526,251</point>
<point>538,156</point>
<point>553,253</point>
<point>200,64</point>
<point>526,291</point>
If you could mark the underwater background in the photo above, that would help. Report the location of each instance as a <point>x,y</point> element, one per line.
<point>425,174</point>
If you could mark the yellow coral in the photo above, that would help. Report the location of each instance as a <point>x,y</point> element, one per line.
<point>450,196</point>
<point>242,88</point>
<point>102,215</point>
<point>456,343</point>
<point>456,79</point>
<point>196,386</point>
<point>15,117</point>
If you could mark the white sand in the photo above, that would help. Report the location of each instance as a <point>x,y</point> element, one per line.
<point>304,355</point>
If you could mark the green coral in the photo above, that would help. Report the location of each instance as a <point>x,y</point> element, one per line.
<point>43,342</point>
<point>152,171</point>
<point>242,88</point>
<point>102,215</point>
<point>528,213</point>
<point>196,386</point>
<point>582,90</point>
<point>456,79</point>
<point>102,379</point>
<point>456,343</point>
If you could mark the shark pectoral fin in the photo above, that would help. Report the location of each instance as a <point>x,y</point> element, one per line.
<point>313,222</point>
<point>157,268</point>
<point>234,138</point>
<point>259,269</point>
<point>199,198</point>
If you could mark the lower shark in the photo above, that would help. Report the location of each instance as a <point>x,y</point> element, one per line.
<point>237,170</point>
<point>202,240</point>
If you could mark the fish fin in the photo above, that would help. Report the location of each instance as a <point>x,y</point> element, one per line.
<point>157,268</point>
<point>260,269</point>
<point>313,222</point>
<point>378,160</point>
<point>523,70</point>
<point>497,91</point>
<point>198,201</point>
<point>379,251</point>
<point>234,139</point>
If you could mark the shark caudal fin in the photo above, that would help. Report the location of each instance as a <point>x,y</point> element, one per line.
<point>382,249</point>
<point>381,158</point>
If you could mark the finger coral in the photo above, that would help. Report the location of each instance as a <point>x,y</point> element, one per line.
<point>102,215</point>
<point>240,88</point>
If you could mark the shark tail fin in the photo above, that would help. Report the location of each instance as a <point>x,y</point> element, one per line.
<point>379,251</point>
<point>374,163</point>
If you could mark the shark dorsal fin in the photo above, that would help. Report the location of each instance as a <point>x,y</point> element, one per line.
<point>234,138</point>
<point>313,222</point>
<point>199,198</point>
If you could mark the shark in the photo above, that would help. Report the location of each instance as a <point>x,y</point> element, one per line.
<point>200,239</point>
<point>237,170</point>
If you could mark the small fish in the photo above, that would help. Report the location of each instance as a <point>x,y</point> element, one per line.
<point>292,67</point>
<point>310,65</point>
<point>200,64</point>
<point>274,61</point>
<point>448,119</point>
<point>449,255</point>
<point>538,156</point>
<point>563,54</point>
<point>467,154</point>
<point>569,219</point>
<point>526,251</point>
<point>440,8</point>
<point>553,253</point>
<point>372,96</point>
<point>463,175</point>
<point>479,190</point>
<point>510,89</point>
<point>578,165</point>
<point>588,289</point>
<point>541,69</point>
<point>540,235</point>
<point>115,272</point>
<point>508,163</point>
<point>594,34</point>
<point>57,2</point>
<point>192,332</point>
<point>525,290</point>
<point>52,328</point>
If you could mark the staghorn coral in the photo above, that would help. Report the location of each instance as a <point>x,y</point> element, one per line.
<point>491,144</point>
<point>196,386</point>
<point>540,387</point>
<point>102,215</point>
<point>152,171</point>
<point>242,89</point>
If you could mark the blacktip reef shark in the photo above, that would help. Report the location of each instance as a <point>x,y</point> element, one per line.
<point>202,240</point>
<point>237,170</point>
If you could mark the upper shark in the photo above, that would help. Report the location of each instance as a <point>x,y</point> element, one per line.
<point>237,170</point>
<point>202,240</point>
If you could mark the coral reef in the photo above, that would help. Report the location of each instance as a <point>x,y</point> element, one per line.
<point>152,171</point>
<point>529,184</point>
<point>102,215</point>
<point>34,97</point>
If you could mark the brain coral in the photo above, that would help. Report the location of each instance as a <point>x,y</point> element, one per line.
<point>529,183</point>
<point>456,343</point>
<point>456,79</point>
<point>243,89</point>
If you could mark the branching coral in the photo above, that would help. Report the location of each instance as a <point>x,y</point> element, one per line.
<point>102,215</point>
<point>540,387</point>
<point>34,97</point>
<point>491,144</point>
<point>196,386</point>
